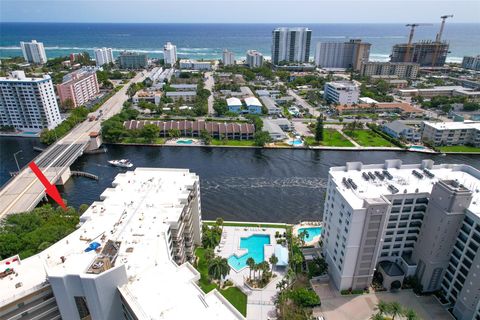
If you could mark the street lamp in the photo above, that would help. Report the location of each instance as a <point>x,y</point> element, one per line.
<point>16,161</point>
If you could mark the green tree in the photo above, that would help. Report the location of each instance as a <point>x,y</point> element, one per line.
<point>319,129</point>
<point>83,207</point>
<point>68,103</point>
<point>273,260</point>
<point>262,138</point>
<point>218,268</point>
<point>206,137</point>
<point>220,106</point>
<point>174,133</point>
<point>304,297</point>
<point>251,264</point>
<point>149,132</point>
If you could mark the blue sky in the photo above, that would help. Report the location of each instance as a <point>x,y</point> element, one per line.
<point>235,11</point>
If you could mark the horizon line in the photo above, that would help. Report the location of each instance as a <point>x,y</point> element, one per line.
<point>233,23</point>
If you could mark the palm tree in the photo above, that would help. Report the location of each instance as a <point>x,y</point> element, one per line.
<point>382,307</point>
<point>395,309</point>
<point>377,316</point>
<point>218,268</point>
<point>264,267</point>
<point>219,222</point>
<point>250,264</point>
<point>273,260</point>
<point>410,314</point>
<point>302,236</point>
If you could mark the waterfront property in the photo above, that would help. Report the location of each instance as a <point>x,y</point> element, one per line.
<point>103,56</point>
<point>28,103</point>
<point>187,128</point>
<point>291,45</point>
<point>399,130</point>
<point>254,59</point>
<point>309,232</point>
<point>451,133</point>
<point>423,219</point>
<point>130,258</point>
<point>33,52</point>
<point>132,60</point>
<point>342,55</point>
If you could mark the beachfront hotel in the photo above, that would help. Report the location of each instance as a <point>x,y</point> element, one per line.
<point>104,56</point>
<point>28,104</point>
<point>401,220</point>
<point>33,52</point>
<point>129,259</point>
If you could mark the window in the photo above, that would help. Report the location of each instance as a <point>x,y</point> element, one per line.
<point>397,202</point>
<point>408,201</point>
<point>82,307</point>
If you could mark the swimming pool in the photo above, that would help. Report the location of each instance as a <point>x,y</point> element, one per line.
<point>254,244</point>
<point>312,232</point>
<point>295,142</point>
<point>188,141</point>
<point>417,147</point>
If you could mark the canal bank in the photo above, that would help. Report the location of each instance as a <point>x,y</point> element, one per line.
<point>240,184</point>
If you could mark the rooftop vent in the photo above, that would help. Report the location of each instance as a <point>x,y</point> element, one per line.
<point>392,188</point>
<point>371,175</point>
<point>379,175</point>
<point>417,174</point>
<point>428,173</point>
<point>353,184</point>
<point>387,174</point>
<point>365,176</point>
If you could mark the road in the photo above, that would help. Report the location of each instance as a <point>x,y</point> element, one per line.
<point>24,191</point>
<point>209,84</point>
<point>303,103</point>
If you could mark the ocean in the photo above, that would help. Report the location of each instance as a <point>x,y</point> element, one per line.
<point>207,41</point>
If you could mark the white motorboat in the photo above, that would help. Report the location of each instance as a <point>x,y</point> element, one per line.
<point>123,163</point>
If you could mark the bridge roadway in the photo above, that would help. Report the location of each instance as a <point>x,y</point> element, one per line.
<point>24,191</point>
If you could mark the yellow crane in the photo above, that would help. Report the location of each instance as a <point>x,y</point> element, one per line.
<point>412,26</point>
<point>438,38</point>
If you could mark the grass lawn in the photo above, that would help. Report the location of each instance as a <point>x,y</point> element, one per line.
<point>368,138</point>
<point>142,140</point>
<point>459,149</point>
<point>256,225</point>
<point>331,138</point>
<point>234,295</point>
<point>238,143</point>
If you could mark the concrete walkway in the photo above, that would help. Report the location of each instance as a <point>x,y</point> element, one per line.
<point>348,138</point>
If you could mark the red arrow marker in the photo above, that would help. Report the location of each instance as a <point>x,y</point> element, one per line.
<point>50,189</point>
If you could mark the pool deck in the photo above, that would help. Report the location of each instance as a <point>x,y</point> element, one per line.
<point>175,142</point>
<point>308,224</point>
<point>260,303</point>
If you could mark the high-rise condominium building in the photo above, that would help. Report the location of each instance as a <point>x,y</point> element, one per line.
<point>79,86</point>
<point>254,59</point>
<point>170,54</point>
<point>420,220</point>
<point>472,63</point>
<point>103,56</point>
<point>425,53</point>
<point>341,92</point>
<point>291,45</point>
<point>129,259</point>
<point>34,52</point>
<point>132,60</point>
<point>228,58</point>
<point>343,55</point>
<point>28,103</point>
<point>403,70</point>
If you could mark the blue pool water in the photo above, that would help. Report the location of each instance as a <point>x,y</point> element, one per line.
<point>295,142</point>
<point>312,232</point>
<point>185,141</point>
<point>254,244</point>
<point>417,147</point>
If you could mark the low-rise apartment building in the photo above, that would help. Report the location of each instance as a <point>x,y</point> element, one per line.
<point>399,130</point>
<point>185,96</point>
<point>147,96</point>
<point>188,128</point>
<point>79,87</point>
<point>402,108</point>
<point>129,259</point>
<point>341,92</point>
<point>403,70</point>
<point>404,220</point>
<point>443,91</point>
<point>195,65</point>
<point>451,133</point>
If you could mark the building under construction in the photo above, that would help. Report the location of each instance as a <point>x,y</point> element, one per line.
<point>425,53</point>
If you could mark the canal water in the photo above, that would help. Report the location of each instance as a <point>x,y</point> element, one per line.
<point>237,184</point>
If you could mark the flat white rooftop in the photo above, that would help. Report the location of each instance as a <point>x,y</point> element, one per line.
<point>454,125</point>
<point>403,180</point>
<point>137,212</point>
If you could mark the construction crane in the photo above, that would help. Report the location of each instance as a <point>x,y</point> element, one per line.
<point>410,38</point>
<point>439,34</point>
<point>438,39</point>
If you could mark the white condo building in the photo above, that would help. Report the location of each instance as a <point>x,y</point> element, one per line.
<point>254,59</point>
<point>33,52</point>
<point>291,45</point>
<point>341,92</point>
<point>103,56</point>
<point>399,220</point>
<point>129,259</point>
<point>342,55</point>
<point>170,54</point>
<point>451,133</point>
<point>28,104</point>
<point>228,58</point>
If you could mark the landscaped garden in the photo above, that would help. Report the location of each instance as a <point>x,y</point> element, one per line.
<point>331,138</point>
<point>459,149</point>
<point>213,270</point>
